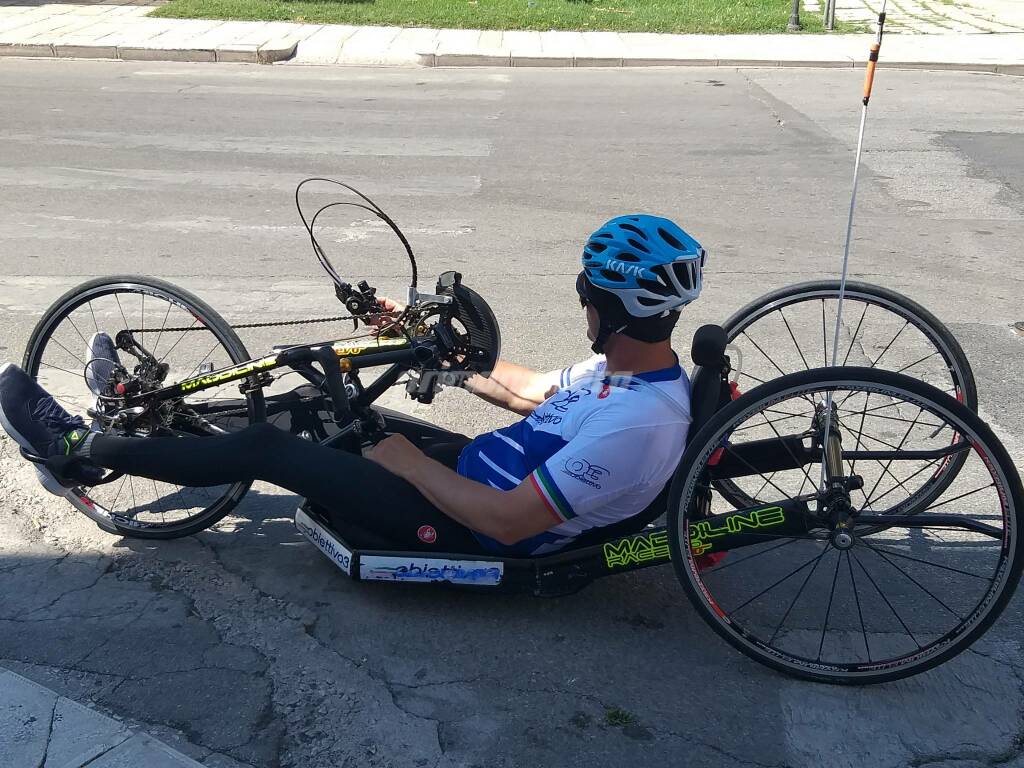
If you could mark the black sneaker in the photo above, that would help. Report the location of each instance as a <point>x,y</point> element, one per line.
<point>35,421</point>
<point>101,360</point>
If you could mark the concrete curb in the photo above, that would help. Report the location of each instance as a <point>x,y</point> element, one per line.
<point>238,54</point>
<point>40,726</point>
<point>510,60</point>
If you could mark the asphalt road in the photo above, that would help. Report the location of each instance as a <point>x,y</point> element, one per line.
<point>242,645</point>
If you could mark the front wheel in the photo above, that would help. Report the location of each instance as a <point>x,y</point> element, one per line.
<point>178,336</point>
<point>869,577</point>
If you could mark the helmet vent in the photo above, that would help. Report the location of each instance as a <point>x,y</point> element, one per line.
<point>668,238</point>
<point>635,230</point>
<point>627,256</point>
<point>597,247</point>
<point>653,286</point>
<point>615,277</point>
<point>638,245</point>
<point>605,235</point>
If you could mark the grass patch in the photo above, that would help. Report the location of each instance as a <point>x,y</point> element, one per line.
<point>619,718</point>
<point>692,16</point>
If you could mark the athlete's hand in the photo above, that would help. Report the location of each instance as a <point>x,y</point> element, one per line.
<point>397,455</point>
<point>392,309</point>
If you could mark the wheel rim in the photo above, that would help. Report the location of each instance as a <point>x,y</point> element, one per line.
<point>177,333</point>
<point>795,333</point>
<point>900,599</point>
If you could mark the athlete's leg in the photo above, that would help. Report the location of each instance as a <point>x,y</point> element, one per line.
<point>352,490</point>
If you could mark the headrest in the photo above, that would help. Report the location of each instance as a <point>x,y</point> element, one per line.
<point>708,346</point>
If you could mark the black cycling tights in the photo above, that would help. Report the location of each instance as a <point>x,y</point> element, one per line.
<point>366,503</point>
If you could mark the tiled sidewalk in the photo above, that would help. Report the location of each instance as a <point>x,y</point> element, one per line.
<point>935,16</point>
<point>120,29</point>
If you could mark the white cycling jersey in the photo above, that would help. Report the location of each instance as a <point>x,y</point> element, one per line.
<point>597,451</point>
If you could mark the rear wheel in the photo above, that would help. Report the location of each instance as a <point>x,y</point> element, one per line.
<point>791,330</point>
<point>177,330</point>
<point>905,582</point>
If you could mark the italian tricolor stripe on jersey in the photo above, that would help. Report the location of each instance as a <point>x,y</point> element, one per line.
<point>549,492</point>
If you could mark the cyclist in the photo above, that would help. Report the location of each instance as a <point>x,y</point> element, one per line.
<point>599,440</point>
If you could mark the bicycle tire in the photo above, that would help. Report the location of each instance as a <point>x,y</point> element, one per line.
<point>683,508</point>
<point>214,323</point>
<point>928,324</point>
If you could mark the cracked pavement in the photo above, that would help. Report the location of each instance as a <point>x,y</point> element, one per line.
<point>242,646</point>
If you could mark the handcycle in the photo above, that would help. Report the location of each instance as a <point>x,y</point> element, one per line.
<point>848,524</point>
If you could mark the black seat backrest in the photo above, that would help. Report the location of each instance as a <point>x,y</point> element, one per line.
<point>709,385</point>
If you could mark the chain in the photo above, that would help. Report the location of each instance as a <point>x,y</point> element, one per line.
<point>274,324</point>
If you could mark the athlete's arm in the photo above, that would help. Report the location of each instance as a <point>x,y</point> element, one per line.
<point>509,386</point>
<point>513,387</point>
<point>506,516</point>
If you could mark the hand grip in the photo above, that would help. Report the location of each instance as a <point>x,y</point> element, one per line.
<point>869,74</point>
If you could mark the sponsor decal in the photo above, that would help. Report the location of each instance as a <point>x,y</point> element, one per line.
<point>476,572</point>
<point>637,549</point>
<point>624,268</point>
<point>703,531</point>
<point>426,534</point>
<point>351,350</point>
<point>230,373</point>
<point>605,391</point>
<point>584,471</point>
<point>327,544</point>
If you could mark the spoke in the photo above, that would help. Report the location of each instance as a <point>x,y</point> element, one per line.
<point>882,595</point>
<point>887,347</point>
<point>767,357</point>
<point>84,341</point>
<point>163,324</point>
<point>800,591</point>
<point>853,338</point>
<point>863,415</point>
<point>205,358</point>
<point>908,367</point>
<point>828,610</point>
<point>728,450</point>
<point>856,598</point>
<point>118,300</point>
<point>790,540</point>
<point>795,344</point>
<point>178,341</point>
<point>961,496</point>
<point>772,586</point>
<point>905,436</point>
<point>793,457</point>
<point>93,313</point>
<point>131,487</point>
<point>113,504</point>
<point>902,484</point>
<point>744,373</point>
<point>58,368</point>
<point>916,583</point>
<point>74,355</point>
<point>950,568</point>
<point>775,421</point>
<point>900,418</point>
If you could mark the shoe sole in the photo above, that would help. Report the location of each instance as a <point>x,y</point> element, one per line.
<point>46,478</point>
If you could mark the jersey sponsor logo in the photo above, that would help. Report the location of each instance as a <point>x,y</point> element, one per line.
<point>584,471</point>
<point>605,391</point>
<point>484,573</point>
<point>427,534</point>
<point>327,544</point>
<point>545,418</point>
<point>637,549</point>
<point>569,398</point>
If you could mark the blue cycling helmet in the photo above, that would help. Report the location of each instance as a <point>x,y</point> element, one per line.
<point>638,272</point>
